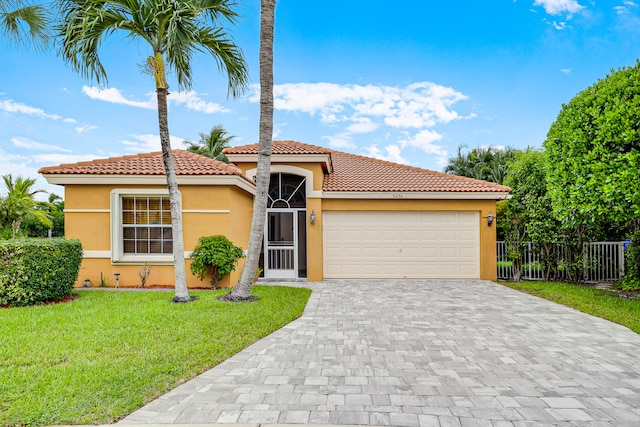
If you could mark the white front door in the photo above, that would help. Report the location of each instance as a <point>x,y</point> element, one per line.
<point>280,242</point>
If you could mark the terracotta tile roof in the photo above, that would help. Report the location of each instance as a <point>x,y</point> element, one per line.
<point>364,174</point>
<point>280,147</point>
<point>187,163</point>
<point>359,173</point>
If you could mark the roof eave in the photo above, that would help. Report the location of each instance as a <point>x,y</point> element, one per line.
<point>408,195</point>
<point>90,179</point>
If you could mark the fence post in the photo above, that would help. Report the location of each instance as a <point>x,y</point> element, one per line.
<point>621,255</point>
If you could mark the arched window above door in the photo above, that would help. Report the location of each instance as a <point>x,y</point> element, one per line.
<point>287,191</point>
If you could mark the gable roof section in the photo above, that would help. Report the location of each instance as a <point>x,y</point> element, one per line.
<point>359,173</point>
<point>280,148</point>
<point>283,152</point>
<point>147,168</point>
<point>186,163</point>
<point>352,174</point>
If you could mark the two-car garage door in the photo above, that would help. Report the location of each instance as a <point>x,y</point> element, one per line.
<point>401,244</point>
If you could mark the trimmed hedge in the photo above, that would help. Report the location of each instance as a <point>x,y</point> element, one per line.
<point>34,271</point>
<point>631,279</point>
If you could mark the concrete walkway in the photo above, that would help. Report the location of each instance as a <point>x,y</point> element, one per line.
<point>421,353</point>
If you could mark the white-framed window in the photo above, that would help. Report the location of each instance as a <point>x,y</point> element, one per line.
<point>141,226</point>
<point>146,225</point>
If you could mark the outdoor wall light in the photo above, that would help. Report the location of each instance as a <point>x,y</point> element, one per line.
<point>489,219</point>
<point>313,217</point>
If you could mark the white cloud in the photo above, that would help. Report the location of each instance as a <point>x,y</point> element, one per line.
<point>277,130</point>
<point>365,125</point>
<point>53,159</point>
<point>424,140</point>
<point>85,128</point>
<point>442,162</point>
<point>11,106</point>
<point>193,102</point>
<point>391,153</point>
<point>559,7</point>
<point>189,99</point>
<point>566,71</point>
<point>149,143</point>
<point>340,140</point>
<point>30,144</point>
<point>353,111</point>
<point>19,165</point>
<point>418,105</point>
<point>558,25</point>
<point>114,96</point>
<point>624,10</point>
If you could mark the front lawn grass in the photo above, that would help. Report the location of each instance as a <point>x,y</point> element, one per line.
<point>98,358</point>
<point>598,302</point>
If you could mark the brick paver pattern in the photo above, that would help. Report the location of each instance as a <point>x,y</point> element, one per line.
<point>421,353</point>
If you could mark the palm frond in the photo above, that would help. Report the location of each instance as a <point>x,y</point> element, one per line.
<point>228,56</point>
<point>26,24</point>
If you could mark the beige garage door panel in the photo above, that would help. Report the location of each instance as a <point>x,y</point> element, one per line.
<point>401,245</point>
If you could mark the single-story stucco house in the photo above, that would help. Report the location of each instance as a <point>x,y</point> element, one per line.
<point>330,215</point>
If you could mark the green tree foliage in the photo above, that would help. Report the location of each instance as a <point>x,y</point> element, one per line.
<point>23,23</point>
<point>19,204</point>
<point>528,214</point>
<point>485,163</point>
<point>631,279</point>
<point>211,144</point>
<point>55,209</point>
<point>216,256</point>
<point>593,149</point>
<point>173,31</point>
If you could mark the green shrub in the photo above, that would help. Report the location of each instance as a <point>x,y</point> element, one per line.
<point>33,271</point>
<point>215,255</point>
<point>532,267</point>
<point>631,279</point>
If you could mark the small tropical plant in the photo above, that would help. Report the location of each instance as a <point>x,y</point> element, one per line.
<point>214,255</point>
<point>104,281</point>
<point>144,273</point>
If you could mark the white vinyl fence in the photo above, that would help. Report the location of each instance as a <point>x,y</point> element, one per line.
<point>602,262</point>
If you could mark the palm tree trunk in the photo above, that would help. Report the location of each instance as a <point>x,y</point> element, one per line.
<point>242,289</point>
<point>181,292</point>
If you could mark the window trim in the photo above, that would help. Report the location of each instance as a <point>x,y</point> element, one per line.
<point>117,250</point>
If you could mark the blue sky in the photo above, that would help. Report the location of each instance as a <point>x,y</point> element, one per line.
<point>403,81</point>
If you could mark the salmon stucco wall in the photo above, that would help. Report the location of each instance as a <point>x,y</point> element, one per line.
<point>207,210</point>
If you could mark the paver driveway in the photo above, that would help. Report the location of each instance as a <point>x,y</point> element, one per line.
<point>421,353</point>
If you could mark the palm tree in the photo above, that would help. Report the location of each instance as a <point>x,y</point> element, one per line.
<point>175,31</point>
<point>20,204</point>
<point>487,163</point>
<point>211,144</point>
<point>21,22</point>
<point>242,289</point>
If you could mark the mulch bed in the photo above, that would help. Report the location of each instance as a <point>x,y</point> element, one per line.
<point>68,298</point>
<point>234,298</point>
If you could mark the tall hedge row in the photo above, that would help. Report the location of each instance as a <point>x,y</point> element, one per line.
<point>34,271</point>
